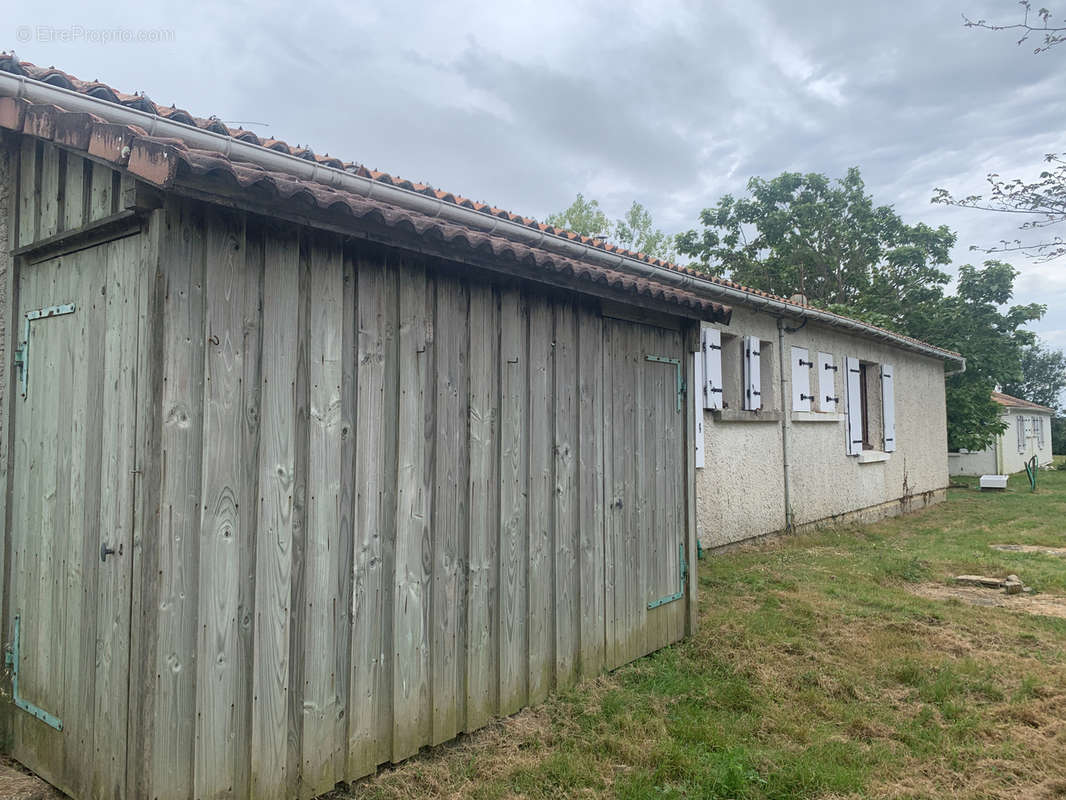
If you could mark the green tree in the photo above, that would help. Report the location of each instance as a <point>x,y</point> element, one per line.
<point>636,231</point>
<point>1043,376</point>
<point>582,216</point>
<point>823,238</point>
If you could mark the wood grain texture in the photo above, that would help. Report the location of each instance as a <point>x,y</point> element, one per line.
<point>181,444</point>
<point>565,501</point>
<point>541,491</point>
<point>482,665</point>
<point>220,526</point>
<point>513,529</point>
<point>276,479</point>
<point>324,626</point>
<point>449,514</point>
<point>411,629</point>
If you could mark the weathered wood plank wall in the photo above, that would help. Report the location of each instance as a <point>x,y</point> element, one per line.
<point>384,501</point>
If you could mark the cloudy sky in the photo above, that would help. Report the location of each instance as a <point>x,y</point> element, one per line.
<point>670,103</point>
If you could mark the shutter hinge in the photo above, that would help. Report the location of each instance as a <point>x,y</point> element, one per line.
<point>806,397</point>
<point>831,366</point>
<point>807,364</point>
<point>829,399</point>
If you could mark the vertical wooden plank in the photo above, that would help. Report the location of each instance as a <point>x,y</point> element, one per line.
<point>147,522</point>
<point>74,193</point>
<point>590,491</point>
<point>411,689</point>
<point>656,533</point>
<point>50,191</point>
<point>248,494</point>
<point>370,592</point>
<point>181,438</point>
<point>612,512</point>
<point>566,550</point>
<point>116,516</point>
<point>102,192</point>
<point>482,663</point>
<point>450,522</point>
<point>323,709</point>
<point>300,532</point>
<point>220,527</point>
<point>541,522</point>
<point>28,197</point>
<point>688,497</point>
<point>277,466</point>
<point>514,470</point>
<point>389,467</point>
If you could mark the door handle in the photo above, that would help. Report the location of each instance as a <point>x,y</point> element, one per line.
<point>106,551</point>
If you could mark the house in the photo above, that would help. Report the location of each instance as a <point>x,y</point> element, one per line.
<point>812,418</point>
<point>1027,434</point>
<point>308,466</point>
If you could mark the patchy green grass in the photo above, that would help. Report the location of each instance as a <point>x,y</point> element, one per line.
<point>816,672</point>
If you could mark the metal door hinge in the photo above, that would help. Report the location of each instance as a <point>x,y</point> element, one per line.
<point>662,601</point>
<point>22,352</point>
<point>12,660</point>
<point>680,380</point>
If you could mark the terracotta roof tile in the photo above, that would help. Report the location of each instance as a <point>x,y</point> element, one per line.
<point>1017,402</point>
<point>9,63</point>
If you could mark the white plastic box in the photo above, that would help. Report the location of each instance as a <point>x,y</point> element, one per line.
<point>993,481</point>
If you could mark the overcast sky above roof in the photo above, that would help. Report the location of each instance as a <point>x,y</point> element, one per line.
<point>671,104</point>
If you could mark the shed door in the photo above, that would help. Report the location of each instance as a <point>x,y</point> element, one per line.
<point>644,479</point>
<point>71,479</point>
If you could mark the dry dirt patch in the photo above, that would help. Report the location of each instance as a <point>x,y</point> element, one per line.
<point>1030,548</point>
<point>1045,605</point>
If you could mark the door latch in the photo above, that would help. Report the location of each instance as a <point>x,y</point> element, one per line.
<point>106,551</point>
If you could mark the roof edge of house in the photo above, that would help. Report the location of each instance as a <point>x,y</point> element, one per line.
<point>34,91</point>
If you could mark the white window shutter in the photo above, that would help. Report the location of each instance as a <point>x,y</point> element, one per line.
<point>888,407</point>
<point>752,374</point>
<point>1020,427</point>
<point>853,398</point>
<point>697,379</point>
<point>1039,422</point>
<point>827,385</point>
<point>801,379</point>
<point>712,369</point>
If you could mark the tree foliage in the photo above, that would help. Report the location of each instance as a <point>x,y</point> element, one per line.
<point>825,239</point>
<point>828,240</point>
<point>636,231</point>
<point>1052,34</point>
<point>1043,376</point>
<point>1040,203</point>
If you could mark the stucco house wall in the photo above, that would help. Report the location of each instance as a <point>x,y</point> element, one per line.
<point>740,490</point>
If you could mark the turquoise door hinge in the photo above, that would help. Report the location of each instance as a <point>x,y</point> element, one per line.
<point>12,660</point>
<point>680,379</point>
<point>662,601</point>
<point>22,352</point>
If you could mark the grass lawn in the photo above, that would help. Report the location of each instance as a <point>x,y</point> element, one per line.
<point>817,672</point>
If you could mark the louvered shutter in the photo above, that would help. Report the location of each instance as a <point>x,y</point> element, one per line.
<point>697,379</point>
<point>1039,422</point>
<point>801,379</point>
<point>853,398</point>
<point>712,369</point>
<point>752,374</point>
<point>888,407</point>
<point>1020,427</point>
<point>827,386</point>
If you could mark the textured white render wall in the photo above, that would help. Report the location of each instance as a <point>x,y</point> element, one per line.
<point>982,462</point>
<point>7,181</point>
<point>1012,460</point>
<point>740,494</point>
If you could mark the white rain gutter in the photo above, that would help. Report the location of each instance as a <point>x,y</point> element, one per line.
<point>34,91</point>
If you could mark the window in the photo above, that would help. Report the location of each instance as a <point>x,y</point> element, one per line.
<point>871,412</point>
<point>738,372</point>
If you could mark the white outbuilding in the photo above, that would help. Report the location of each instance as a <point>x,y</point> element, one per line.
<point>1028,434</point>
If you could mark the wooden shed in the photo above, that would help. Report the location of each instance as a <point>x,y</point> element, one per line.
<point>301,479</point>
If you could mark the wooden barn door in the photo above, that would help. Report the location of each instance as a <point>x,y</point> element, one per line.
<point>645,495</point>
<point>71,477</point>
